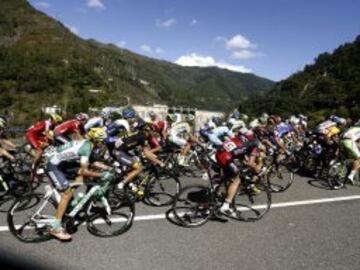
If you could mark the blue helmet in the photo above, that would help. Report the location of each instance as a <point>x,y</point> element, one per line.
<point>128,113</point>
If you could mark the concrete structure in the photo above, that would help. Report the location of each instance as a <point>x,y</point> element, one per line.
<point>162,110</point>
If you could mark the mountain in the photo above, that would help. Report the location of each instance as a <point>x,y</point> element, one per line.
<point>329,86</point>
<point>42,63</point>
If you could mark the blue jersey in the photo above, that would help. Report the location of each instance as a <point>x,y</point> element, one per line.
<point>282,129</point>
<point>217,133</point>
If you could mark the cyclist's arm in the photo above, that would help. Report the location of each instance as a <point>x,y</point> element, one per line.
<point>7,143</point>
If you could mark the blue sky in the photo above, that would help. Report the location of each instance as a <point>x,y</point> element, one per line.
<point>270,38</point>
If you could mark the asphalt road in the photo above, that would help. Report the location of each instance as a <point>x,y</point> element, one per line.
<point>307,228</point>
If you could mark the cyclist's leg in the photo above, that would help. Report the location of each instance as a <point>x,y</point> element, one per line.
<point>126,160</point>
<point>233,173</point>
<point>60,182</point>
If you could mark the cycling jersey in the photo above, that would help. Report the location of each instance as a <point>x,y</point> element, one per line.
<point>94,122</point>
<point>282,129</point>
<point>68,127</point>
<point>159,125</point>
<point>64,162</point>
<point>36,133</point>
<point>179,133</point>
<point>216,134</point>
<point>117,127</point>
<point>237,125</point>
<point>324,127</point>
<point>349,141</point>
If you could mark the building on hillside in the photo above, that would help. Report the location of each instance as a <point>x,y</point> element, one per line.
<point>201,116</point>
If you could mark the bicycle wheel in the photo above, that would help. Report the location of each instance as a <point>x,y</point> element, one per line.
<point>337,175</point>
<point>280,178</point>
<point>21,217</point>
<point>161,191</point>
<point>252,202</point>
<point>101,223</point>
<point>194,206</point>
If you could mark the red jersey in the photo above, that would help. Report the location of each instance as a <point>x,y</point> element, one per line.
<point>159,126</point>
<point>36,133</point>
<point>40,127</point>
<point>68,127</point>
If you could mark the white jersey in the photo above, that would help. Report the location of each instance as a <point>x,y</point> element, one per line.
<point>94,122</point>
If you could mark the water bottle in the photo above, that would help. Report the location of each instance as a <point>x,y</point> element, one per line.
<point>77,198</point>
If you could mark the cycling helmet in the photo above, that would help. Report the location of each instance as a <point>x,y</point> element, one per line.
<point>264,118</point>
<point>152,114</point>
<point>56,118</point>
<point>98,134</point>
<point>189,118</point>
<point>231,122</point>
<point>357,123</point>
<point>235,114</point>
<point>302,117</point>
<point>244,117</point>
<point>217,121</point>
<point>128,113</point>
<point>141,124</point>
<point>294,120</point>
<point>2,122</point>
<point>338,120</point>
<point>105,114</point>
<point>82,117</point>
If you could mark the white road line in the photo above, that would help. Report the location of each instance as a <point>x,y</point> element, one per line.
<point>274,205</point>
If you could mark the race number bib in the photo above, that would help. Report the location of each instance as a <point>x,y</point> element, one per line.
<point>229,146</point>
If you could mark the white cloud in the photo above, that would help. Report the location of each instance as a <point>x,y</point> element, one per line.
<point>95,4</point>
<point>194,21</point>
<point>245,54</point>
<point>197,60</point>
<point>42,4</point>
<point>146,48</point>
<point>73,29</point>
<point>158,50</point>
<point>165,24</point>
<point>239,42</point>
<point>121,44</point>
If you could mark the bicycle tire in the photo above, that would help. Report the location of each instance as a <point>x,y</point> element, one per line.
<point>199,203</point>
<point>280,178</point>
<point>161,191</point>
<point>251,205</point>
<point>24,203</point>
<point>96,222</point>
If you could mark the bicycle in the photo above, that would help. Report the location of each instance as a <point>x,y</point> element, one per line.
<point>197,204</point>
<point>102,218</point>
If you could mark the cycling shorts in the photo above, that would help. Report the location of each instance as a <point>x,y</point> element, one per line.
<point>178,141</point>
<point>59,175</point>
<point>351,148</point>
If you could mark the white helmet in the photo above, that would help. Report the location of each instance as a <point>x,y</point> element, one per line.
<point>2,122</point>
<point>294,120</point>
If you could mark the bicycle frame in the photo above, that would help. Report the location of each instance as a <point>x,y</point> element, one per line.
<point>75,210</point>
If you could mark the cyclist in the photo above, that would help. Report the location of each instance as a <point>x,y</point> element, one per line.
<point>5,142</point>
<point>231,150</point>
<point>72,161</point>
<point>136,139</point>
<point>38,135</point>
<point>73,127</point>
<point>180,134</point>
<point>159,126</point>
<point>97,121</point>
<point>351,142</point>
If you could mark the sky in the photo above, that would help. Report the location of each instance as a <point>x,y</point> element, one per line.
<point>272,39</point>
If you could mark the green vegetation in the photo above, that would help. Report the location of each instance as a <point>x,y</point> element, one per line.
<point>42,63</point>
<point>330,86</point>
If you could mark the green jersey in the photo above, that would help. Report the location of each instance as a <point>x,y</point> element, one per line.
<point>72,152</point>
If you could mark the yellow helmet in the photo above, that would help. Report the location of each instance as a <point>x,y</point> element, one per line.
<point>98,134</point>
<point>56,118</point>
